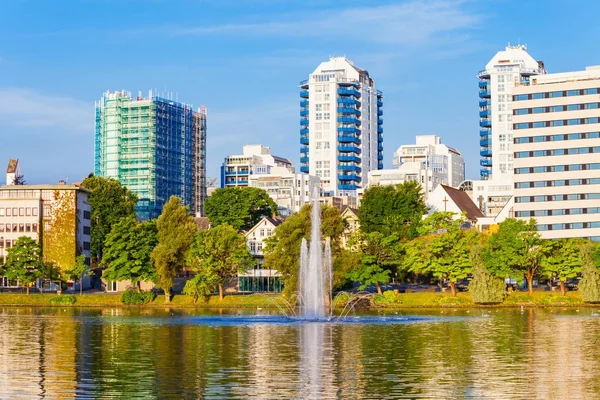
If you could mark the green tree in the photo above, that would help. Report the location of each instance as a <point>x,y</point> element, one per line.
<point>218,254</point>
<point>589,285</point>
<point>240,207</point>
<point>563,260</point>
<point>110,202</point>
<point>78,271</point>
<point>24,261</point>
<point>200,286</point>
<point>127,251</point>
<point>392,210</point>
<point>380,257</point>
<point>484,287</point>
<point>445,250</point>
<point>282,250</point>
<point>175,232</point>
<point>516,250</point>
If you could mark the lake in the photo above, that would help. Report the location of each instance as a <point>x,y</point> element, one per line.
<point>174,354</point>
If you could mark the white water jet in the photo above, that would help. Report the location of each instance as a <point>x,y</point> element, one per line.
<point>315,268</point>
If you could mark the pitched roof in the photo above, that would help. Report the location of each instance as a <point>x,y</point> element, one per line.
<point>464,202</point>
<point>12,166</point>
<point>351,209</point>
<point>275,221</point>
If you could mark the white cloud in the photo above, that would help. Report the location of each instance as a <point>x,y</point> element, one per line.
<point>415,22</point>
<point>27,108</point>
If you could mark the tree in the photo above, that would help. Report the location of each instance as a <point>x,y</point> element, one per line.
<point>240,207</point>
<point>392,210</point>
<point>445,250</point>
<point>78,271</point>
<point>59,246</point>
<point>110,202</point>
<point>379,259</point>
<point>517,249</point>
<point>282,250</point>
<point>127,251</point>
<point>219,253</point>
<point>23,262</point>
<point>19,180</point>
<point>589,285</point>
<point>484,287</point>
<point>563,260</point>
<point>175,233</point>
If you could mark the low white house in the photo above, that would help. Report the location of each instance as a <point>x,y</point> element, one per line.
<point>445,198</point>
<point>260,278</point>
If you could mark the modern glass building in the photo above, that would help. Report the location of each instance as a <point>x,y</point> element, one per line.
<point>508,68</point>
<point>341,126</point>
<point>155,147</point>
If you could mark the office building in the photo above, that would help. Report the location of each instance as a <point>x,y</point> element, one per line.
<point>156,147</point>
<point>556,120</point>
<point>496,82</point>
<point>341,126</point>
<point>255,159</point>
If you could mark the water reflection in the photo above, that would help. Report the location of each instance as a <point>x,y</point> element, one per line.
<point>128,353</point>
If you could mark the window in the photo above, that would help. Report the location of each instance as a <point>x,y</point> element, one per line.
<point>523,125</point>
<point>557,108</point>
<point>86,230</point>
<point>28,211</point>
<point>539,110</point>
<point>86,245</point>
<point>27,227</point>
<point>590,106</point>
<point>21,212</point>
<point>590,91</point>
<point>575,121</point>
<point>501,87</point>
<point>557,94</point>
<point>537,96</point>
<point>21,227</point>
<point>34,227</point>
<point>575,92</point>
<point>520,97</point>
<point>1,227</point>
<point>557,123</point>
<point>318,107</point>
<point>539,124</point>
<point>573,107</point>
<point>86,214</point>
<point>593,120</point>
<point>522,111</point>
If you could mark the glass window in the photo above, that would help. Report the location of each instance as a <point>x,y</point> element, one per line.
<point>28,211</point>
<point>574,92</point>
<point>558,152</point>
<point>522,111</point>
<point>539,110</point>
<point>574,136</point>
<point>539,184</point>
<point>523,125</point>
<point>539,124</point>
<point>590,106</point>
<point>34,227</point>
<point>560,122</point>
<point>520,97</point>
<point>522,140</point>
<point>575,121</point>
<point>590,91</point>
<point>15,211</point>
<point>538,170</point>
<point>538,96</point>
<point>557,108</point>
<point>593,120</point>
<point>539,153</point>
<point>557,94</point>
<point>555,138</point>
<point>522,154</point>
<point>573,107</point>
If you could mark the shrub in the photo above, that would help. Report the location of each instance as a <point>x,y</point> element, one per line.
<point>131,297</point>
<point>485,288</point>
<point>389,296</point>
<point>63,299</point>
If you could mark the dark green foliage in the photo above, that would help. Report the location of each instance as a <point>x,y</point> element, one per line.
<point>200,286</point>
<point>484,287</point>
<point>23,262</point>
<point>63,299</point>
<point>132,297</point>
<point>392,210</point>
<point>380,257</point>
<point>127,251</point>
<point>110,202</point>
<point>240,207</point>
<point>218,254</point>
<point>283,248</point>
<point>175,233</point>
<point>563,260</point>
<point>589,285</point>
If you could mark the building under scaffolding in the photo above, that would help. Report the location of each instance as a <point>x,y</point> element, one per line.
<point>155,147</point>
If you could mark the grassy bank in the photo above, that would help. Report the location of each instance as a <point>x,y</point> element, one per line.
<point>392,300</point>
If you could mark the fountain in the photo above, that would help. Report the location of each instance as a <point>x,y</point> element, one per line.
<point>315,269</point>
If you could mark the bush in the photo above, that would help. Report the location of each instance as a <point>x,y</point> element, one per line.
<point>131,297</point>
<point>63,299</point>
<point>485,288</point>
<point>389,296</point>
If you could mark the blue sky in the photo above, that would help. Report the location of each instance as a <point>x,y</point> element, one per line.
<point>243,59</point>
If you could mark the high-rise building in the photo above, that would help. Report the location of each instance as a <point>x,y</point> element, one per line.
<point>255,159</point>
<point>496,82</point>
<point>154,146</point>
<point>442,164</point>
<point>341,126</point>
<point>557,149</point>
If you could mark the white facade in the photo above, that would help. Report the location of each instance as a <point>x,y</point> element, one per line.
<point>506,69</point>
<point>491,196</point>
<point>260,278</point>
<point>289,190</point>
<point>341,129</point>
<point>255,159</point>
<point>557,153</point>
<point>443,164</point>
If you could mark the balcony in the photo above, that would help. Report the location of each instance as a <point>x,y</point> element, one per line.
<point>484,103</point>
<point>230,173</point>
<point>304,159</point>
<point>346,129</point>
<point>303,103</point>
<point>485,142</point>
<point>348,111</point>
<point>349,159</point>
<point>379,112</point>
<point>483,74</point>
<point>485,132</point>
<point>484,94</point>
<point>304,121</point>
<point>348,92</point>
<point>485,113</point>
<point>349,177</point>
<point>486,162</point>
<point>347,187</point>
<point>304,141</point>
<point>243,172</point>
<point>379,129</point>
<point>485,152</point>
<point>348,139</point>
<point>304,169</point>
<point>354,168</point>
<point>303,112</point>
<point>349,120</point>
<point>379,165</point>
<point>485,172</point>
<point>379,102</point>
<point>349,149</point>
<point>304,94</point>
<point>379,121</point>
<point>304,150</point>
<point>304,131</point>
<point>484,84</point>
<point>380,156</point>
<point>485,123</point>
<point>348,100</point>
<point>242,182</point>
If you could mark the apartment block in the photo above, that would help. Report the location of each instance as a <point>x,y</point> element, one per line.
<point>255,159</point>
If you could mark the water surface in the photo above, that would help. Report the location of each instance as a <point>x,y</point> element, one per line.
<point>173,354</point>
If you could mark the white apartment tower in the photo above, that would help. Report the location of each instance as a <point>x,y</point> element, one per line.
<point>341,126</point>
<point>510,67</point>
<point>557,153</point>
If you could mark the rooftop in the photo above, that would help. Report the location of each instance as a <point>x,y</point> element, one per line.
<point>464,202</point>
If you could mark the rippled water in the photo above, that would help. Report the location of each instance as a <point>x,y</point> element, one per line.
<point>130,353</point>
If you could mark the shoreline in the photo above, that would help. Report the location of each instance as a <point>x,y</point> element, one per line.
<point>435,301</point>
